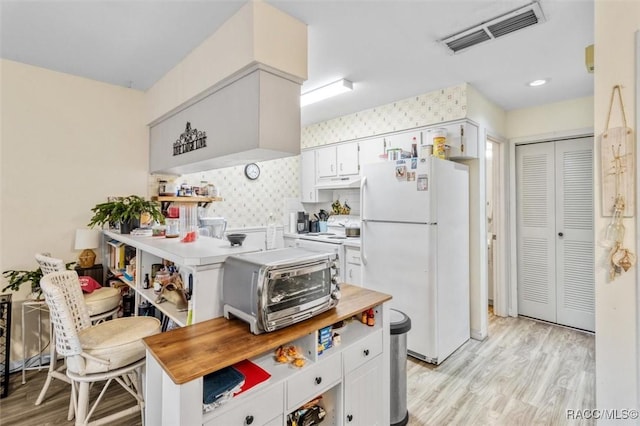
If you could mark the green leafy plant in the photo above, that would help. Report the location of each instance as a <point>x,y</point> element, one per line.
<point>124,209</point>
<point>17,278</point>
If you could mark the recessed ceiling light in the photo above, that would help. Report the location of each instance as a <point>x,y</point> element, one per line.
<point>540,82</point>
<point>324,92</point>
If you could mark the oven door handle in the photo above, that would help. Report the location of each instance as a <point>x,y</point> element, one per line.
<point>363,256</point>
<point>294,271</point>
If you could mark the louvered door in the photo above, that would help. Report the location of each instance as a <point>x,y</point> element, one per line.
<point>535,212</point>
<point>574,227</point>
<point>555,232</point>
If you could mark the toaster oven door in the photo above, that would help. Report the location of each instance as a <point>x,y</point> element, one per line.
<point>296,293</point>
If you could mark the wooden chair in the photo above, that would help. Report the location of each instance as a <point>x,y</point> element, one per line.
<point>108,351</point>
<point>102,303</point>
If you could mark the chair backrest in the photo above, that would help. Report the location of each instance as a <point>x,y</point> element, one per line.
<point>49,264</point>
<point>67,308</point>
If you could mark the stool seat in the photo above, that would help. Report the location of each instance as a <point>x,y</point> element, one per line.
<point>114,343</point>
<point>102,300</point>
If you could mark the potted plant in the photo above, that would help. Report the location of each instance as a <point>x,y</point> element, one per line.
<point>126,211</point>
<point>17,278</point>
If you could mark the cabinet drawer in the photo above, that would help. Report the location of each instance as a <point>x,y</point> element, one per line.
<point>362,351</point>
<point>312,382</point>
<point>352,255</point>
<point>257,411</point>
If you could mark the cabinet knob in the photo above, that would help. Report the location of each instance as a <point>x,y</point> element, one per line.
<point>318,380</point>
<point>560,234</point>
<point>366,352</point>
<point>248,420</point>
<point>349,417</point>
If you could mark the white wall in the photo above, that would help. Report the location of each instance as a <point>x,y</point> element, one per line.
<point>616,302</point>
<point>67,143</point>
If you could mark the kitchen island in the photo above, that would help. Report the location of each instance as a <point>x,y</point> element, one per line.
<point>352,377</point>
<point>199,262</point>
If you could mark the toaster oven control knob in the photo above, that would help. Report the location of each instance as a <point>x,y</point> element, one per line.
<point>334,280</point>
<point>335,295</point>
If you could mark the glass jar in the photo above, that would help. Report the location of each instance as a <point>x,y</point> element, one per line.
<point>172,229</point>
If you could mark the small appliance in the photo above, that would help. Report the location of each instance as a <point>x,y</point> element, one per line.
<point>276,288</point>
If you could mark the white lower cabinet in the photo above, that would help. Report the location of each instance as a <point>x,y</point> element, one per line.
<point>363,401</point>
<point>349,377</point>
<point>263,409</point>
<point>353,267</point>
<point>313,381</point>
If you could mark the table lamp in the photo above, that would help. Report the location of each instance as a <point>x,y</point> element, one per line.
<point>86,240</point>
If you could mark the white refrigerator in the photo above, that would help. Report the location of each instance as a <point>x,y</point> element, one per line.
<point>415,246</point>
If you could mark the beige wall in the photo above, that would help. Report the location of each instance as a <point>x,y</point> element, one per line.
<point>616,302</point>
<point>66,144</point>
<point>551,119</point>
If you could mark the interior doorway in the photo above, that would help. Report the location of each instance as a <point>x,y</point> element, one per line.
<point>554,232</point>
<point>497,225</point>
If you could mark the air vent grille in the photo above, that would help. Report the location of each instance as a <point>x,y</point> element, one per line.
<point>499,26</point>
<point>468,40</point>
<point>515,23</point>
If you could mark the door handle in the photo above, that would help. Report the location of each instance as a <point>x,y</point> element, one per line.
<point>363,255</point>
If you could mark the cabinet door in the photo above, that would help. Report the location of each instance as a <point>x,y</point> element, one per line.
<point>353,274</point>
<point>347,159</point>
<point>362,396</point>
<point>404,140</point>
<point>327,161</point>
<point>462,138</point>
<point>370,151</point>
<point>308,191</point>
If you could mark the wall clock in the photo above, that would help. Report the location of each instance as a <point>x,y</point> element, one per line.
<point>252,171</point>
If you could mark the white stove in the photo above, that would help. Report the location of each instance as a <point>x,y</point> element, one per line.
<point>335,230</point>
<point>324,237</point>
<point>331,241</point>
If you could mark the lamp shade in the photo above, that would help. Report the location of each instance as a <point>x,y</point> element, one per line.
<point>87,239</point>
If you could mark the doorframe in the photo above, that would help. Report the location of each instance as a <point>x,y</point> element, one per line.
<point>512,284</point>
<point>501,224</point>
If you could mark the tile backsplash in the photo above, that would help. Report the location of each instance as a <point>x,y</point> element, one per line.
<point>247,203</point>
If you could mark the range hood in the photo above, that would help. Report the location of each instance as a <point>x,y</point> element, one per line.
<point>339,183</point>
<point>253,115</point>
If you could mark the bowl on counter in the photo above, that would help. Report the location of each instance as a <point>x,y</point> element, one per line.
<point>236,239</point>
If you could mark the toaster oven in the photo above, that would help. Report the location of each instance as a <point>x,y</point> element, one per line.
<point>273,289</point>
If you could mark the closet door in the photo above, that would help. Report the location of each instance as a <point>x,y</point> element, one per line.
<point>574,226</point>
<point>535,221</point>
<point>554,222</point>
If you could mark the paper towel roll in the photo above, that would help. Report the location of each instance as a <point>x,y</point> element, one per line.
<point>293,223</point>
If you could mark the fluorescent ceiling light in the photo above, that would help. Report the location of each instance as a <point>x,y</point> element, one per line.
<point>324,92</point>
<point>540,82</point>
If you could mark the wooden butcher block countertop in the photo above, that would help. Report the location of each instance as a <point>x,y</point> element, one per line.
<point>194,351</point>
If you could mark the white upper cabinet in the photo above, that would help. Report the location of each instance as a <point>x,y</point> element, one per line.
<point>338,160</point>
<point>462,138</point>
<point>371,151</point>
<point>308,191</point>
<point>327,161</point>
<point>404,140</point>
<point>348,159</point>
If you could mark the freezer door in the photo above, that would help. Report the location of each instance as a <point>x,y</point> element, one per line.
<point>399,259</point>
<point>398,191</point>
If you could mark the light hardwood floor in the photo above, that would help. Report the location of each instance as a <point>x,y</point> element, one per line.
<point>526,372</point>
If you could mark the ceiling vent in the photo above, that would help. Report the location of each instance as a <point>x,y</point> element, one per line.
<point>499,26</point>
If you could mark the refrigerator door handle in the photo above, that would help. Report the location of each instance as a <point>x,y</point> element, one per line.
<point>363,256</point>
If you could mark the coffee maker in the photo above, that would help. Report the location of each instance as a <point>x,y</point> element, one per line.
<point>303,223</point>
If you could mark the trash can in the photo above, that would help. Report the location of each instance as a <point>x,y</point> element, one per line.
<point>400,325</point>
